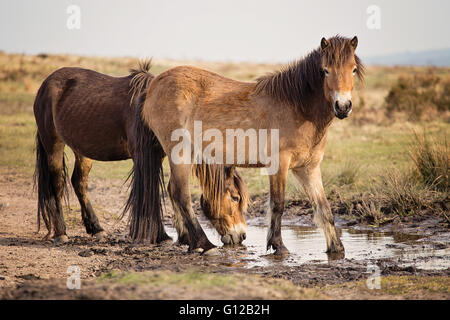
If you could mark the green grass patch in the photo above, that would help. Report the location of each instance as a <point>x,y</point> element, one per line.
<point>195,279</point>
<point>407,287</point>
<point>208,285</point>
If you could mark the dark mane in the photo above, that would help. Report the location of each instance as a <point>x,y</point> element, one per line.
<point>140,78</point>
<point>300,82</point>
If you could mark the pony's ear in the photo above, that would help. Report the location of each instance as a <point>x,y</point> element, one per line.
<point>354,42</point>
<point>324,43</point>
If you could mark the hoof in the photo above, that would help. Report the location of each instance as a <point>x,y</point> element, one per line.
<point>202,249</point>
<point>182,240</point>
<point>47,237</point>
<point>281,251</point>
<point>336,248</point>
<point>211,252</point>
<point>166,242</point>
<point>180,243</point>
<point>165,239</point>
<point>100,235</point>
<point>61,239</point>
<point>336,255</point>
<point>278,247</point>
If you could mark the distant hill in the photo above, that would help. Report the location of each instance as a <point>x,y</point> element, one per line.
<point>439,58</point>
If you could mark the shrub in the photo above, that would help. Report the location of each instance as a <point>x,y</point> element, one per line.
<point>419,95</point>
<point>443,100</point>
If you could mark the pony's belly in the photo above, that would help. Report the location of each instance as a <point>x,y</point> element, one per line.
<point>103,149</point>
<point>247,165</point>
<point>108,155</point>
<point>96,137</point>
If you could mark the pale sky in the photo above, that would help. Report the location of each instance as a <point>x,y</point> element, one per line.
<point>228,30</point>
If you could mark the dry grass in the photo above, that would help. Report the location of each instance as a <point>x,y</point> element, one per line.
<point>420,96</point>
<point>398,192</point>
<point>358,151</point>
<point>404,195</point>
<point>431,160</point>
<point>397,287</point>
<point>420,187</point>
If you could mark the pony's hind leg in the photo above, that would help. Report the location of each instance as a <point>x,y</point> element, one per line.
<point>50,175</point>
<point>188,228</point>
<point>311,180</point>
<point>79,180</point>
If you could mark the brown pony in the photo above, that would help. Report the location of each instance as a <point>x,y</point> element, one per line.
<point>296,104</point>
<point>97,115</point>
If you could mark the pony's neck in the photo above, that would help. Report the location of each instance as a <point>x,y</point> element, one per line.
<point>300,85</point>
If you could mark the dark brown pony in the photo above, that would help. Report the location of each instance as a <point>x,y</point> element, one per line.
<point>98,116</point>
<point>296,104</point>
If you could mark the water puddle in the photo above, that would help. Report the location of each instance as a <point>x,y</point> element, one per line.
<point>307,245</point>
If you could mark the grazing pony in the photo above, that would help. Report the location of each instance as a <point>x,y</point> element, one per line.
<point>96,115</point>
<point>296,104</point>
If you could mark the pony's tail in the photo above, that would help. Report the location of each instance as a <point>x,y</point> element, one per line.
<point>47,197</point>
<point>147,185</point>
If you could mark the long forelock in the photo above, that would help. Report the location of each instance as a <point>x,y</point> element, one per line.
<point>298,83</point>
<point>212,179</point>
<point>339,52</point>
<point>242,190</point>
<point>212,182</point>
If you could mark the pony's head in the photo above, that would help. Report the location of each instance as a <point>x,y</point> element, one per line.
<point>339,66</point>
<point>224,201</point>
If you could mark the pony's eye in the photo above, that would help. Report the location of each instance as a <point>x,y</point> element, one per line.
<point>354,71</point>
<point>235,199</point>
<point>326,71</point>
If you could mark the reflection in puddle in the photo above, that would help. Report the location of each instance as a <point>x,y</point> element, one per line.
<point>307,244</point>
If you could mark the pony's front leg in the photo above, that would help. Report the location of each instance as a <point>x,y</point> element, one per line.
<point>311,179</point>
<point>188,228</point>
<point>276,208</point>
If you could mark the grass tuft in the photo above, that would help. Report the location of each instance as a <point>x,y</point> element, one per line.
<point>431,161</point>
<point>402,191</point>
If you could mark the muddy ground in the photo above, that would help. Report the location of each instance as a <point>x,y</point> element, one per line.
<point>115,268</point>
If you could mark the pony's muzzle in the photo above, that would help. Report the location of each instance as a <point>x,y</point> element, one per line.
<point>233,238</point>
<point>235,235</point>
<point>342,110</point>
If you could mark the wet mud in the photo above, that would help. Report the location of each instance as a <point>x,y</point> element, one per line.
<point>33,268</point>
